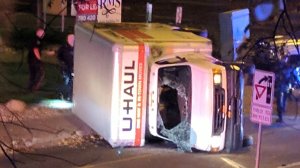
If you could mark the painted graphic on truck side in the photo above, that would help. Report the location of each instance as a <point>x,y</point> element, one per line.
<point>132,82</point>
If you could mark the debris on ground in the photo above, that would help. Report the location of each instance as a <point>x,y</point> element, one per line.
<point>27,127</point>
<point>76,141</point>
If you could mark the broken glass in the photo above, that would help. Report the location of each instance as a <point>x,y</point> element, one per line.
<point>179,135</point>
<point>174,113</point>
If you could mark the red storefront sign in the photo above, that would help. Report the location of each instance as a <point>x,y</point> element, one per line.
<point>87,10</point>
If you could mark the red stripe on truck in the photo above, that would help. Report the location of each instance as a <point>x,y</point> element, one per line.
<point>140,88</point>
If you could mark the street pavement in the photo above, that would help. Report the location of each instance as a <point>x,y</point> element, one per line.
<point>279,149</point>
<point>57,138</point>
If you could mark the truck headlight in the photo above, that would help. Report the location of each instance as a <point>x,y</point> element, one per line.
<point>217,78</point>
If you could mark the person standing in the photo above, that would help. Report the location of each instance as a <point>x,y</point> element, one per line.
<point>65,57</point>
<point>282,87</point>
<point>36,69</point>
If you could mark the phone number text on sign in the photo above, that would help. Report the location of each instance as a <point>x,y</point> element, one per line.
<point>87,10</point>
<point>86,17</point>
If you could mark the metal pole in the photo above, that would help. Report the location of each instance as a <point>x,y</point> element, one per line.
<point>178,15</point>
<point>258,147</point>
<point>148,12</point>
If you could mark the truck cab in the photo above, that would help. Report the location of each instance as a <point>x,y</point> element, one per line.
<point>191,88</point>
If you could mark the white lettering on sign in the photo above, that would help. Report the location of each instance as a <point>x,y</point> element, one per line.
<point>93,7</point>
<point>86,17</point>
<point>140,94</point>
<point>87,10</point>
<point>83,7</point>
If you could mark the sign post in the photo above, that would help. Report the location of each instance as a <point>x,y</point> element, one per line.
<point>262,103</point>
<point>149,12</point>
<point>178,15</point>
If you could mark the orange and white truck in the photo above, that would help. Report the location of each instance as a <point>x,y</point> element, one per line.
<point>136,80</point>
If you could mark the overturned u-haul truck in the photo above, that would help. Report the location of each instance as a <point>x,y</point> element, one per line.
<point>135,80</point>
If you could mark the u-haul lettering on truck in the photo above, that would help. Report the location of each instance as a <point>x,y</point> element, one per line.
<point>128,92</point>
<point>131,98</point>
<point>128,95</point>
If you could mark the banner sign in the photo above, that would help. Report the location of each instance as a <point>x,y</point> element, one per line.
<point>109,11</point>
<point>87,10</point>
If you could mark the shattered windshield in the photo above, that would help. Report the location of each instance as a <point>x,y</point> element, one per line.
<point>174,106</point>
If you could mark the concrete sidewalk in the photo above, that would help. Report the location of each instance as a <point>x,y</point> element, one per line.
<point>39,127</point>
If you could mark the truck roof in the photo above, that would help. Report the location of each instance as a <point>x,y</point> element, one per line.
<point>131,33</point>
<point>191,58</point>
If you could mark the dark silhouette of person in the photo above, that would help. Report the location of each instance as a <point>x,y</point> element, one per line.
<point>283,73</point>
<point>286,79</point>
<point>65,57</point>
<point>36,69</point>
